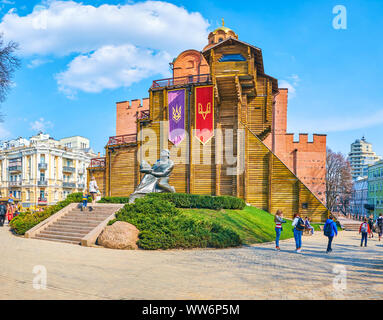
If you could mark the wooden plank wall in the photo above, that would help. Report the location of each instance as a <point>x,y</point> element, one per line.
<point>100,176</point>
<point>272,186</point>
<point>123,171</point>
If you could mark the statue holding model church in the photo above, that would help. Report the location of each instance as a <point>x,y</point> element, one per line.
<point>156,178</point>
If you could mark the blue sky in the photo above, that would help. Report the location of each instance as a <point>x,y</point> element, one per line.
<point>79,58</point>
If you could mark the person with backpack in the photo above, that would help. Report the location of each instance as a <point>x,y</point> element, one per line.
<point>299,226</point>
<point>330,230</point>
<point>379,224</point>
<point>371,225</point>
<point>364,229</point>
<point>278,219</point>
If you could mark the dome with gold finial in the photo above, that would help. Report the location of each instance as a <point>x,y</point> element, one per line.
<point>220,34</point>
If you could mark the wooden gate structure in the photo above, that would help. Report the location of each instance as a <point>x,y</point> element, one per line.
<point>243,104</point>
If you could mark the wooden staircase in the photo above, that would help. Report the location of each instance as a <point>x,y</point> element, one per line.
<point>75,225</point>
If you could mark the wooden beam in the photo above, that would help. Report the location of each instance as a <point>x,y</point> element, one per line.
<point>270,182</point>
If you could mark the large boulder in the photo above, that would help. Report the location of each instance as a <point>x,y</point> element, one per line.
<point>120,235</point>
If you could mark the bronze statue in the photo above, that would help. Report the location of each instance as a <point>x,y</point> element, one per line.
<point>156,178</point>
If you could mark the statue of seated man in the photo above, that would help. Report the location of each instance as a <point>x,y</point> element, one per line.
<point>156,178</point>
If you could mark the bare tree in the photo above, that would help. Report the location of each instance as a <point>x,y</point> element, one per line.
<point>8,64</point>
<point>338,182</point>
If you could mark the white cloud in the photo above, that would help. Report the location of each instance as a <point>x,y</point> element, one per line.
<point>7,2</point>
<point>111,67</point>
<point>41,125</point>
<point>151,31</point>
<point>64,27</point>
<point>37,63</point>
<point>291,84</point>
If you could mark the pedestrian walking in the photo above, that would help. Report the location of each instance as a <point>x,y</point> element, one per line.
<point>364,229</point>
<point>93,189</point>
<point>84,200</point>
<point>379,224</point>
<point>3,212</point>
<point>278,219</point>
<point>371,225</point>
<point>330,230</point>
<point>299,226</point>
<point>9,212</point>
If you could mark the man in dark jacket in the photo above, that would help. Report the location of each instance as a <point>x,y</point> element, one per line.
<point>3,212</point>
<point>332,230</point>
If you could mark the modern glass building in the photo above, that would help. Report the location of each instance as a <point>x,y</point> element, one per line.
<point>375,188</point>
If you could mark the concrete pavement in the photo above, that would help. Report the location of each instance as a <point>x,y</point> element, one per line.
<point>251,272</point>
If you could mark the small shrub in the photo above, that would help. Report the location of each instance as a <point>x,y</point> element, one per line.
<point>114,200</point>
<point>185,200</point>
<point>27,220</point>
<point>163,226</point>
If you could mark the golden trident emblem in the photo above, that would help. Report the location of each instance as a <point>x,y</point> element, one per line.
<point>202,112</point>
<point>177,113</point>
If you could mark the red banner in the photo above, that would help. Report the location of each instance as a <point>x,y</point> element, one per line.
<point>204,113</point>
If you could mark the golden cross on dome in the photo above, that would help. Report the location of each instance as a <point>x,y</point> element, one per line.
<point>223,22</point>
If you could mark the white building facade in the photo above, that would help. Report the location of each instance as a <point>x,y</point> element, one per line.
<point>43,171</point>
<point>361,157</point>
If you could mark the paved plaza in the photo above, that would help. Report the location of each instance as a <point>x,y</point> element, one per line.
<point>250,272</point>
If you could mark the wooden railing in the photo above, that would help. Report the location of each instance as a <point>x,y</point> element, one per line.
<point>199,78</point>
<point>97,163</point>
<point>126,138</point>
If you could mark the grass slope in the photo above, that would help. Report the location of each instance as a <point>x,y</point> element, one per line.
<point>253,225</point>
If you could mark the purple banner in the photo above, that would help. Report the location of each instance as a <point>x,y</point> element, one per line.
<point>176,101</point>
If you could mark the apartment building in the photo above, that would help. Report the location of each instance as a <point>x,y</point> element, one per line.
<point>375,188</point>
<point>42,171</point>
<point>360,157</point>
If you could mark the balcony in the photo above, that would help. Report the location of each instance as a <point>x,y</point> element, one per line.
<point>81,185</point>
<point>181,81</point>
<point>123,139</point>
<point>97,163</point>
<point>15,183</point>
<point>70,185</point>
<point>16,168</point>
<point>42,201</point>
<point>43,166</point>
<point>81,171</point>
<point>42,183</point>
<point>69,169</point>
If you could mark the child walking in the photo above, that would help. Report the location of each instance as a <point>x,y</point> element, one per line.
<point>278,219</point>
<point>364,229</point>
<point>84,200</point>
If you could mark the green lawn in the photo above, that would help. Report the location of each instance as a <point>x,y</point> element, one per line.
<point>253,225</point>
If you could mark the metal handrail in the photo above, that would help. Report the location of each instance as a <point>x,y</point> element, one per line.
<point>126,138</point>
<point>199,78</point>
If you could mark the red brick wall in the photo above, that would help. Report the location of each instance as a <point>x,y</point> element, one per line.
<point>306,159</point>
<point>190,62</point>
<point>126,116</point>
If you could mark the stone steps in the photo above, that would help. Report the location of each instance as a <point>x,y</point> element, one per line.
<point>56,240</point>
<point>74,225</point>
